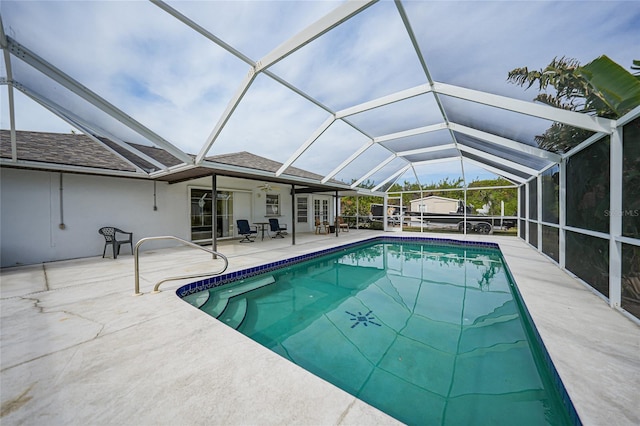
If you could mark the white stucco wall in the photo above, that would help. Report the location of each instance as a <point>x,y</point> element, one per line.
<point>30,212</point>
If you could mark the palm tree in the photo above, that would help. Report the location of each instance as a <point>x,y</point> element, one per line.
<point>601,88</point>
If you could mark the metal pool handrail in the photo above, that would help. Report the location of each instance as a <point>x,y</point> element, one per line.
<point>188,243</point>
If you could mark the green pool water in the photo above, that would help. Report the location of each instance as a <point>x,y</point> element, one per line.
<point>431,335</point>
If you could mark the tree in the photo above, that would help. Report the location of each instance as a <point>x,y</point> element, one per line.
<point>601,88</point>
<point>362,205</point>
<point>427,189</point>
<point>479,198</point>
<point>475,198</point>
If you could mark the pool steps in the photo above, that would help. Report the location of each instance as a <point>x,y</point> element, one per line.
<point>225,304</point>
<point>234,314</point>
<point>197,299</point>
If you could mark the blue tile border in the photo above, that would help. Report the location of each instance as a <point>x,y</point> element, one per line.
<point>220,280</point>
<point>548,362</point>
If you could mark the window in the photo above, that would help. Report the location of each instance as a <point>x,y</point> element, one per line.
<point>316,210</point>
<point>302,210</point>
<point>201,214</point>
<point>321,210</point>
<point>273,204</point>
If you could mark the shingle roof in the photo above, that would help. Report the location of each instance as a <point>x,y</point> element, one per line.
<point>61,148</point>
<point>252,161</point>
<point>80,150</point>
<point>160,155</point>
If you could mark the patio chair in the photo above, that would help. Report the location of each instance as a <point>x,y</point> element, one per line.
<point>319,226</point>
<point>247,231</point>
<point>328,229</point>
<point>110,235</point>
<point>280,230</point>
<point>342,225</point>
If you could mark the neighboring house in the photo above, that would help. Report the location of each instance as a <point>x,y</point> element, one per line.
<point>64,187</point>
<point>434,204</point>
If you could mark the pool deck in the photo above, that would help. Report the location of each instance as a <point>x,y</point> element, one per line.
<point>77,347</point>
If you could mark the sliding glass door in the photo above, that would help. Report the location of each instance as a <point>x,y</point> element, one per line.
<point>201,214</point>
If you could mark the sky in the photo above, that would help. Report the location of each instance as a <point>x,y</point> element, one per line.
<point>178,83</point>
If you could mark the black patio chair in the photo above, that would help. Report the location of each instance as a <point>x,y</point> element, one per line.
<point>279,230</point>
<point>110,235</point>
<point>246,230</point>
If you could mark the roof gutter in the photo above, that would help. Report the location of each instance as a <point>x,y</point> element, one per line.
<point>54,167</point>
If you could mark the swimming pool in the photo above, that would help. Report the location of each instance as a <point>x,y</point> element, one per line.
<point>431,332</point>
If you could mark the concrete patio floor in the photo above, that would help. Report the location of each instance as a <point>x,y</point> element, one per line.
<point>78,348</point>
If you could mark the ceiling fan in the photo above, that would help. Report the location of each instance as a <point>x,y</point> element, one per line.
<point>266,187</point>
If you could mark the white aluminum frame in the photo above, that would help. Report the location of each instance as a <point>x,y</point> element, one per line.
<point>94,99</point>
<point>334,18</point>
<point>614,235</point>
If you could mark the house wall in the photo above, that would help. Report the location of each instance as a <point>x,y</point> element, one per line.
<point>30,212</point>
<point>286,215</point>
<point>30,220</point>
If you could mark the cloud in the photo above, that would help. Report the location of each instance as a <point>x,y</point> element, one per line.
<point>271,121</point>
<point>30,115</point>
<point>411,113</point>
<point>154,69</point>
<point>366,162</point>
<point>178,83</point>
<point>367,57</point>
<point>339,141</point>
<point>254,27</point>
<point>475,44</point>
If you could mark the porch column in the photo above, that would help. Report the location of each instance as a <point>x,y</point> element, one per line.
<point>214,214</point>
<point>562,245</point>
<point>384,212</point>
<point>615,220</point>
<point>293,215</point>
<point>464,209</point>
<point>335,218</point>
